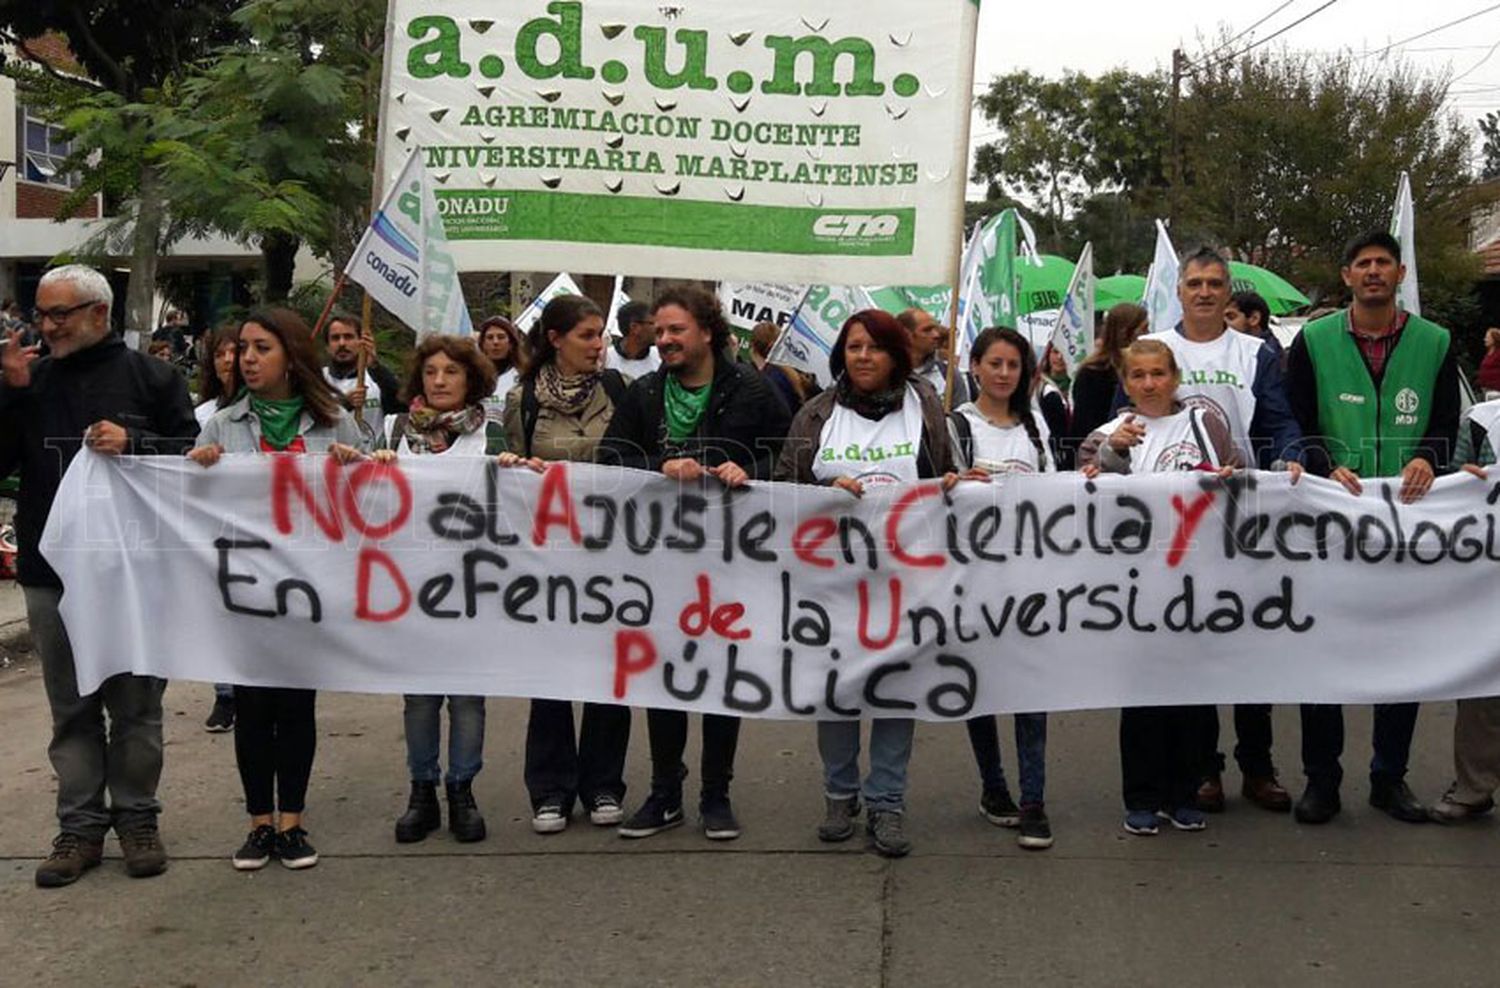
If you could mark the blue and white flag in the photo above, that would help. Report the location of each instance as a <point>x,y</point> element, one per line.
<point>563,284</point>
<point>808,341</point>
<point>1074,335</point>
<point>1163,307</point>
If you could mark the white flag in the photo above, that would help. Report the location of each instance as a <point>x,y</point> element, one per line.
<point>1074,335</point>
<point>807,342</point>
<point>403,260</point>
<point>1404,229</point>
<point>617,301</point>
<point>1163,307</point>
<point>561,285</point>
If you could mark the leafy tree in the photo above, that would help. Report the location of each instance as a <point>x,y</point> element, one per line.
<point>1489,129</point>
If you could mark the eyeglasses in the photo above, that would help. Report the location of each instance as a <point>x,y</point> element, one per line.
<point>61,313</point>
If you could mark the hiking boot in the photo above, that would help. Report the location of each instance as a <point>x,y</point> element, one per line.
<point>888,833</point>
<point>605,810</point>
<point>145,855</point>
<point>998,808</point>
<point>71,856</point>
<point>465,822</point>
<point>257,850</point>
<point>422,816</point>
<point>293,849</point>
<point>658,813</point>
<point>221,717</point>
<point>838,819</point>
<point>718,818</point>
<point>1036,831</point>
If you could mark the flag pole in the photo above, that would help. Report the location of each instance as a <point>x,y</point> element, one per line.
<point>955,266</point>
<point>377,183</point>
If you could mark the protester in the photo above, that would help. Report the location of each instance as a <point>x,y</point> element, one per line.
<point>1376,390</point>
<point>1055,366</point>
<point>377,393</point>
<point>284,405</point>
<point>634,353</point>
<point>928,340</point>
<point>1051,403</point>
<point>90,391</point>
<point>449,381</point>
<point>501,342</point>
<point>1158,434</point>
<point>793,387</point>
<point>1098,377</point>
<point>876,404</point>
<point>999,433</point>
<point>1237,379</point>
<point>1488,379</point>
<point>216,390</point>
<point>701,415</point>
<point>560,411</point>
<point>1248,313</point>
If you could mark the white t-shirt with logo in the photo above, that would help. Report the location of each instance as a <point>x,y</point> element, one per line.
<point>614,360</point>
<point>874,453</point>
<point>348,384</point>
<point>494,405</point>
<point>1171,443</point>
<point>1219,377</point>
<point>1007,449</point>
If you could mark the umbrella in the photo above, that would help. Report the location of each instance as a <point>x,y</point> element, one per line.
<point>1119,288</point>
<point>1276,290</point>
<point>1042,287</point>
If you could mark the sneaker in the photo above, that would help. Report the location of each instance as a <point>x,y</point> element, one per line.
<point>1184,818</point>
<point>1450,810</point>
<point>887,830</point>
<point>606,811</point>
<point>294,850</point>
<point>256,852</point>
<point>549,818</point>
<point>718,819</point>
<point>1036,832</point>
<point>145,855</point>
<point>221,717</point>
<point>1142,823</point>
<point>838,820</point>
<point>658,813</point>
<point>71,856</point>
<point>998,808</point>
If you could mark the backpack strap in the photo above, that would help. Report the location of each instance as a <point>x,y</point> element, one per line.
<point>614,386</point>
<point>530,409</point>
<point>1210,455</point>
<point>962,431</point>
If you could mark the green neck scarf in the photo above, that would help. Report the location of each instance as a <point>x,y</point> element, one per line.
<point>280,419</point>
<point>685,407</point>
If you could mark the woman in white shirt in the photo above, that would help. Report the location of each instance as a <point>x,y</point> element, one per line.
<point>216,373</point>
<point>501,342</point>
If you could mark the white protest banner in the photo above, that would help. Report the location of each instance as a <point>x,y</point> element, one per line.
<point>403,259</point>
<point>563,284</point>
<point>1404,229</point>
<point>1074,335</point>
<point>1163,306</point>
<point>617,301</point>
<point>748,304</point>
<point>453,575</point>
<point>807,342</point>
<point>769,141</point>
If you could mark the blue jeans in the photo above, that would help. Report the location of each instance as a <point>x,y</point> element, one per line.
<point>424,737</point>
<point>1031,754</point>
<point>890,751</point>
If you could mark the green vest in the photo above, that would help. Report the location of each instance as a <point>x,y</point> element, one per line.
<point>1370,430</point>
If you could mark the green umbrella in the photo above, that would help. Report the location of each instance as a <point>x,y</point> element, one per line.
<point>1043,287</point>
<point>1276,290</point>
<point>1119,288</point>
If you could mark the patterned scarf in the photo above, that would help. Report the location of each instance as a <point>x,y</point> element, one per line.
<point>567,395</point>
<point>871,406</point>
<point>427,428</point>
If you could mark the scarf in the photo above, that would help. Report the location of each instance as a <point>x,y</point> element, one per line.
<point>280,419</point>
<point>684,407</point>
<point>564,394</point>
<point>871,406</point>
<point>426,428</point>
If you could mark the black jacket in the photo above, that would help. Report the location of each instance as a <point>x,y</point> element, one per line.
<point>105,382</point>
<point>744,423</point>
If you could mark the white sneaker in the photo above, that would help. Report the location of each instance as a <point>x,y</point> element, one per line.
<point>549,818</point>
<point>606,811</point>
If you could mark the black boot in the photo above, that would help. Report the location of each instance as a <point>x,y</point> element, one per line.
<point>422,814</point>
<point>464,819</point>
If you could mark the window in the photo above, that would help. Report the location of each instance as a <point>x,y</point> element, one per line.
<point>44,152</point>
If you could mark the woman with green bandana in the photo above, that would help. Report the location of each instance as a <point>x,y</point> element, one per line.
<point>283,406</point>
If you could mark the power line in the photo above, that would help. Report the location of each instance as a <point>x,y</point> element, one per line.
<point>1276,34</point>
<point>1247,30</point>
<point>1440,27</point>
<point>1476,65</point>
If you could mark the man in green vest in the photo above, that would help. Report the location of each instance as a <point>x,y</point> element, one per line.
<point>1376,392</point>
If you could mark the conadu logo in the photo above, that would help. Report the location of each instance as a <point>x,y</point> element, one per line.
<point>857,226</point>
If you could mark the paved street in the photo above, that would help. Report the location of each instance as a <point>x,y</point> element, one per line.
<point>1255,900</point>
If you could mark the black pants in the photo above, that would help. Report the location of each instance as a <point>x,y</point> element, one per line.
<point>1323,743</point>
<point>1252,745</point>
<point>275,737</point>
<point>1156,756</point>
<point>562,767</point>
<point>669,730</point>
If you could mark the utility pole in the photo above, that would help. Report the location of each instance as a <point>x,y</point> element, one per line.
<point>1179,66</point>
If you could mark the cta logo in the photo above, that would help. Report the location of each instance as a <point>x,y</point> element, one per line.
<point>865,226</point>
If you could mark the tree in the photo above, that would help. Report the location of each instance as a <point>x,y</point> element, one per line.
<point>1489,128</point>
<point>132,53</point>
